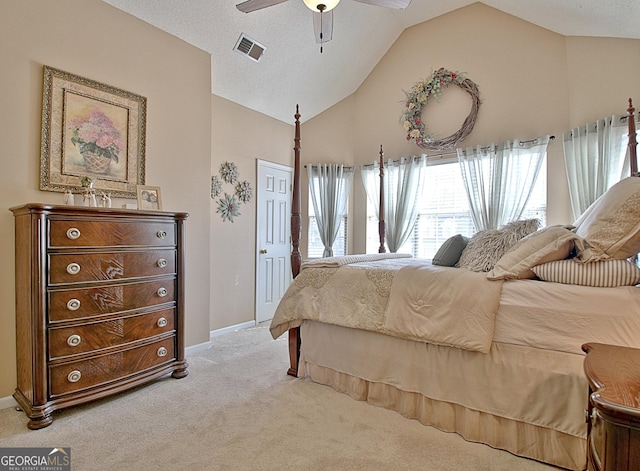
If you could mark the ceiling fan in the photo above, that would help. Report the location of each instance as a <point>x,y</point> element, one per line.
<point>322,12</point>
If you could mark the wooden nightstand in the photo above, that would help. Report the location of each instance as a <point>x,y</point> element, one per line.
<point>613,420</point>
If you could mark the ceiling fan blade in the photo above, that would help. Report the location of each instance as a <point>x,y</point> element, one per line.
<point>323,25</point>
<point>397,4</point>
<point>253,5</point>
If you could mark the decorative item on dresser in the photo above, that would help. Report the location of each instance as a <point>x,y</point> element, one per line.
<point>99,303</point>
<point>149,197</point>
<point>613,415</point>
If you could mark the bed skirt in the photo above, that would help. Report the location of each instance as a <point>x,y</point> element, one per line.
<point>537,439</point>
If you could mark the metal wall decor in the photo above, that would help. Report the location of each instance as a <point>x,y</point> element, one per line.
<point>229,204</point>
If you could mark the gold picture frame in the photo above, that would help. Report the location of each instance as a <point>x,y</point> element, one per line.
<point>91,130</point>
<point>149,197</point>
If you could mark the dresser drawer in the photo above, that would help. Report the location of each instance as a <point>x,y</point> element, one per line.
<point>88,267</point>
<point>85,338</point>
<point>75,376</point>
<point>109,299</point>
<point>85,233</point>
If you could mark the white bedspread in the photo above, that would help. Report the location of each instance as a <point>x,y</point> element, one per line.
<point>334,262</point>
<point>403,297</point>
<point>444,306</point>
<point>555,316</point>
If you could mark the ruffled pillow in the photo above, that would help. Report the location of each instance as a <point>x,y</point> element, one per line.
<point>486,247</point>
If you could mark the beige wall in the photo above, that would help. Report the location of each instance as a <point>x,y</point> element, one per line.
<point>532,82</point>
<point>603,73</point>
<point>94,40</point>
<point>240,136</point>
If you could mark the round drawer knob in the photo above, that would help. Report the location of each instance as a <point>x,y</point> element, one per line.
<point>73,304</point>
<point>73,233</point>
<point>162,322</point>
<point>74,376</point>
<point>74,340</point>
<point>162,352</point>
<point>161,234</point>
<point>162,292</point>
<point>162,263</point>
<point>73,268</point>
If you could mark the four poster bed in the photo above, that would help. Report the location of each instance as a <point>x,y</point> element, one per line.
<point>494,356</point>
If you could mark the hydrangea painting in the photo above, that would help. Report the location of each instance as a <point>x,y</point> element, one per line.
<point>97,134</point>
<point>91,130</point>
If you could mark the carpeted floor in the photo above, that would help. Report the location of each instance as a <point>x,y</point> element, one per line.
<point>238,410</point>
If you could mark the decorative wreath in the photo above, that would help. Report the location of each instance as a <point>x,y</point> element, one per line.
<point>419,96</point>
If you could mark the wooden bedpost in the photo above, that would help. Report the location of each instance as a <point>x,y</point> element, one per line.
<point>296,229</point>
<point>381,224</point>
<point>296,219</point>
<point>633,143</point>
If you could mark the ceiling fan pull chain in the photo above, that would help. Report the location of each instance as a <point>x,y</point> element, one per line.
<point>321,7</point>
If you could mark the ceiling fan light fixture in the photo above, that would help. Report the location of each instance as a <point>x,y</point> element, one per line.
<point>321,5</point>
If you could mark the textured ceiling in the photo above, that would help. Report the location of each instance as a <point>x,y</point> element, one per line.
<point>292,69</point>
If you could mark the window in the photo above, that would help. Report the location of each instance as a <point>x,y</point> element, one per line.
<point>316,247</point>
<point>329,187</point>
<point>445,211</point>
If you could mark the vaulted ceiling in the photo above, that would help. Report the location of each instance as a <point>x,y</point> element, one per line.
<point>292,69</point>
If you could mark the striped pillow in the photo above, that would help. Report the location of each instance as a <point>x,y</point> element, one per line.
<point>604,273</point>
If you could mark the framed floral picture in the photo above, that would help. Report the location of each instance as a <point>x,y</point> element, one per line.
<point>149,197</point>
<point>92,130</point>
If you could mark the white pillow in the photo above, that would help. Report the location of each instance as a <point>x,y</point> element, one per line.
<point>546,245</point>
<point>604,273</point>
<point>611,225</point>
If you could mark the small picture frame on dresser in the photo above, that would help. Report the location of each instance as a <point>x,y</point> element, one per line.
<point>149,197</point>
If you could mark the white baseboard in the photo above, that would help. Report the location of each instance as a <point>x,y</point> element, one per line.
<point>6,402</point>
<point>195,349</point>
<point>231,328</point>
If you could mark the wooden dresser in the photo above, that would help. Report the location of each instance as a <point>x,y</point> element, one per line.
<point>99,303</point>
<point>613,416</point>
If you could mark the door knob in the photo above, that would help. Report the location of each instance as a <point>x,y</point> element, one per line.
<point>263,250</point>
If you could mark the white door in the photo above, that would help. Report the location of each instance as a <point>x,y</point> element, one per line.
<point>273,237</point>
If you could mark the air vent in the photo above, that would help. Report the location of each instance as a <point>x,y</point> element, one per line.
<point>250,48</point>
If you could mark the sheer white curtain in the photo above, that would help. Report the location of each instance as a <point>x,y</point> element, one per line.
<point>595,157</point>
<point>404,180</point>
<point>499,179</point>
<point>329,185</point>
